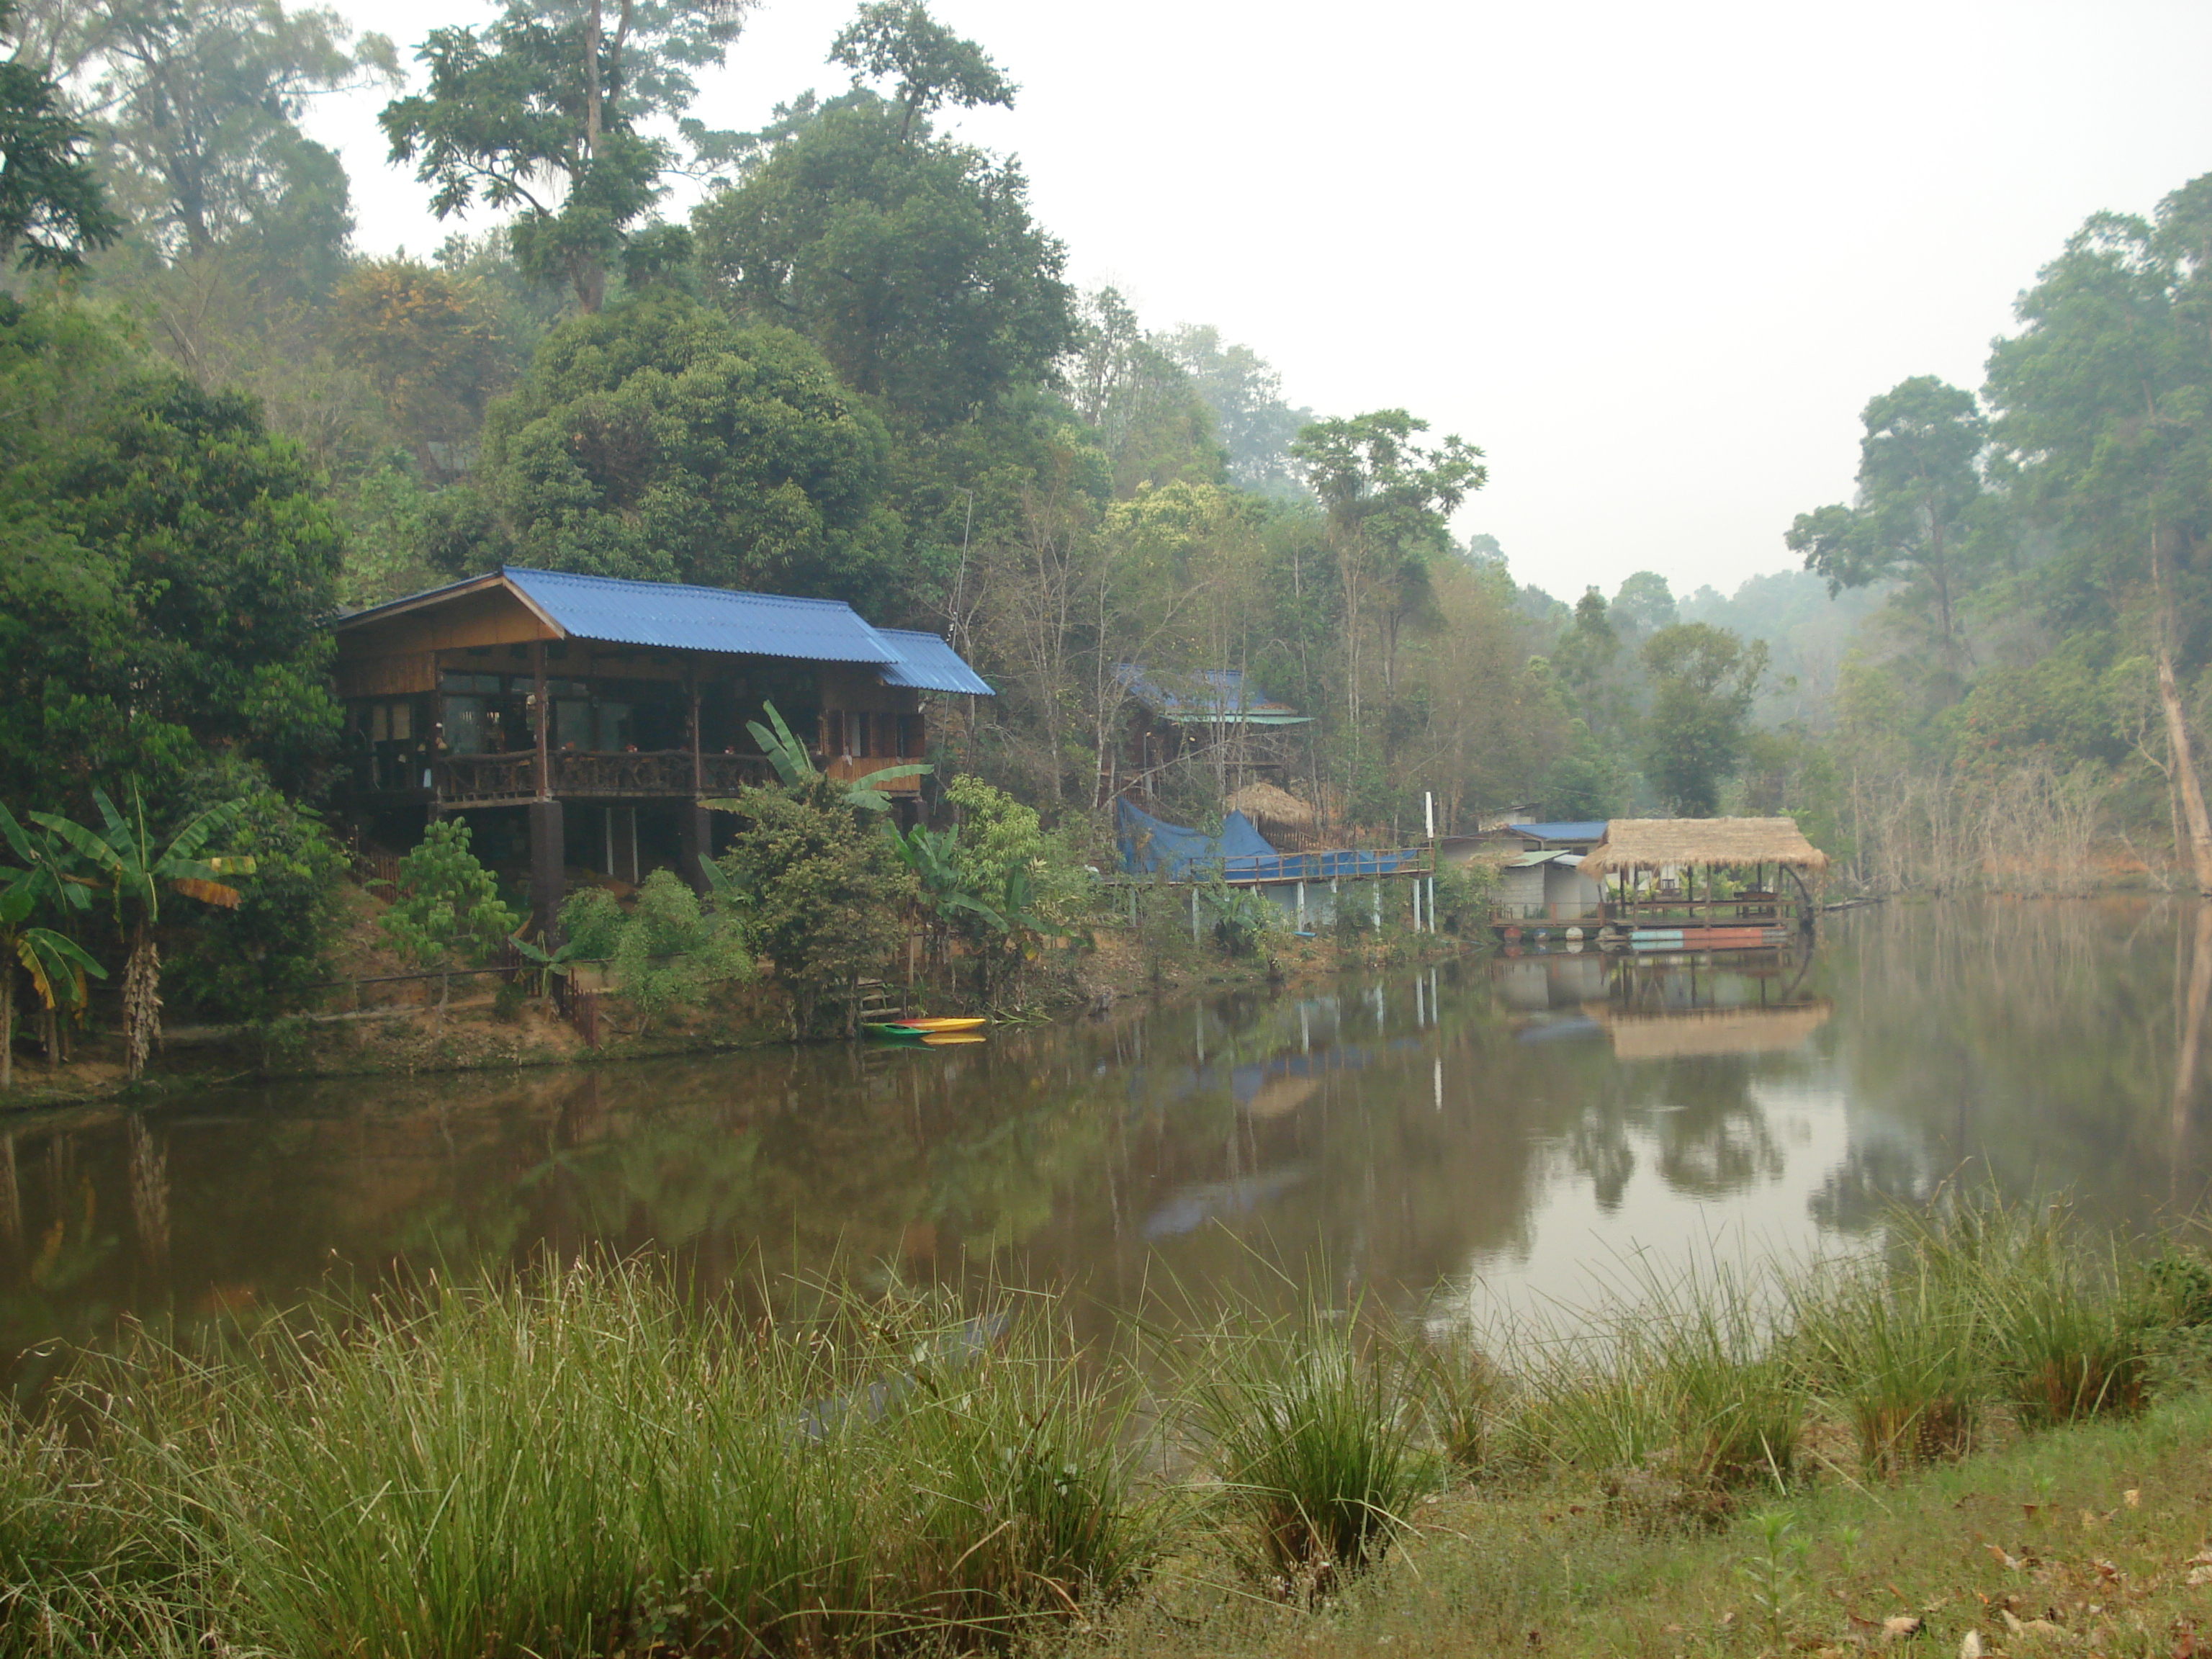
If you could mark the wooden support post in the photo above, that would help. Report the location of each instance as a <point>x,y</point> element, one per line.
<point>547,869</point>
<point>543,722</point>
<point>695,828</point>
<point>698,765</point>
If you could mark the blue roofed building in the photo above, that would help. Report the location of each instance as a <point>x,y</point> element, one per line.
<point>579,721</point>
<point>1218,716</point>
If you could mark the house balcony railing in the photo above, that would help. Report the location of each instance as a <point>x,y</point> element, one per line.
<point>662,774</point>
<point>658,775</point>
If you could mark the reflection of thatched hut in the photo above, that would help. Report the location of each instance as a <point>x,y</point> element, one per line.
<point>1699,1032</point>
<point>1277,811</point>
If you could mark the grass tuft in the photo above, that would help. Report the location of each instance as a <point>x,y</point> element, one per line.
<point>1312,1432</point>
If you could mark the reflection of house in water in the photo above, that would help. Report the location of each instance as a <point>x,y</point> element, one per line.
<point>1679,1035</point>
<point>1538,984</point>
<point>1654,1011</point>
<point>1651,1010</point>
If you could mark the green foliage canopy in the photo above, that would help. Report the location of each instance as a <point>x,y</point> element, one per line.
<point>661,441</point>
<point>170,565</point>
<point>910,260</point>
<point>1704,680</point>
<point>52,207</point>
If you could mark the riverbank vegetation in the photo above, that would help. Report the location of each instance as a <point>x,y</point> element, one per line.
<point>584,1459</point>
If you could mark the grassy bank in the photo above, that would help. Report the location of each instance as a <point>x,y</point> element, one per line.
<point>1993,1424</point>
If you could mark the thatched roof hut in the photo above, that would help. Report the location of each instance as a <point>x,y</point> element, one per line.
<point>1634,844</point>
<point>1263,803</point>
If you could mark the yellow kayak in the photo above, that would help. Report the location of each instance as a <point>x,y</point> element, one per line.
<point>938,1027</point>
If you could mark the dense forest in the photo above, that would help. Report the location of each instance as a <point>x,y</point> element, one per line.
<point>857,369</point>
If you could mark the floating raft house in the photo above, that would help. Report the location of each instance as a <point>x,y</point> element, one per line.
<point>1694,884</point>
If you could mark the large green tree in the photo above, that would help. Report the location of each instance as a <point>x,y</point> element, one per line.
<point>52,208</point>
<point>547,112</point>
<point>662,441</point>
<point>1389,499</point>
<point>168,567</point>
<point>199,104</point>
<point>2103,407</point>
<point>911,260</point>
<point>1703,679</point>
<point>1921,504</point>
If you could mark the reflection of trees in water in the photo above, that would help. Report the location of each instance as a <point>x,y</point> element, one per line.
<point>1873,1177</point>
<point>150,1192</point>
<point>2045,1039</point>
<point>1709,1135</point>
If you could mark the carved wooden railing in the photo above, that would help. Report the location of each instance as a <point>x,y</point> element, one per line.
<point>661,775</point>
<point>459,779</point>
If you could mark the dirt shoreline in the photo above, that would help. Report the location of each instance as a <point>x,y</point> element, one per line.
<point>476,1034</point>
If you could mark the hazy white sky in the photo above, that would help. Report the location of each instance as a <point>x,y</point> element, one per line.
<point>1654,260</point>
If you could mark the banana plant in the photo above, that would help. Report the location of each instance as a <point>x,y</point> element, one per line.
<point>57,963</point>
<point>930,854</point>
<point>134,868</point>
<point>795,767</point>
<point>556,963</point>
<point>1021,930</point>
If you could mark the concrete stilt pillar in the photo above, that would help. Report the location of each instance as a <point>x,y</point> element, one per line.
<point>548,867</point>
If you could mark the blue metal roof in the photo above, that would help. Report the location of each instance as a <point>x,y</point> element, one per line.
<point>680,618</point>
<point>1208,694</point>
<point>1592,829</point>
<point>926,663</point>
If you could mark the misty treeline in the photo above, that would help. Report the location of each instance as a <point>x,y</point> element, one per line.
<point>856,369</point>
<point>2022,709</point>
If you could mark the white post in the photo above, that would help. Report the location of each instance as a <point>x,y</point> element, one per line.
<point>1429,811</point>
<point>1194,914</point>
<point>1432,904</point>
<point>1375,903</point>
<point>1302,906</point>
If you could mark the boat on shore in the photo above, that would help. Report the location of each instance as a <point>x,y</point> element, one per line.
<point>944,1026</point>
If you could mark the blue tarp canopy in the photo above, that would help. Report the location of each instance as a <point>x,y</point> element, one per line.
<point>1240,853</point>
<point>1149,843</point>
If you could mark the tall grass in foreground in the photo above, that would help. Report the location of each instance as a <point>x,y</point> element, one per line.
<point>579,1462</point>
<point>1314,1434</point>
<point>1677,1379</point>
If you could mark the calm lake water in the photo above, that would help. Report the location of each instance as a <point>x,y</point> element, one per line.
<point>1499,1130</point>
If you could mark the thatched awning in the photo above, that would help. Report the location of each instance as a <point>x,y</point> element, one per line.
<point>1263,803</point>
<point>1633,844</point>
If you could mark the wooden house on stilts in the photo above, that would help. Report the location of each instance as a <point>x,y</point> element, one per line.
<point>580,722</point>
